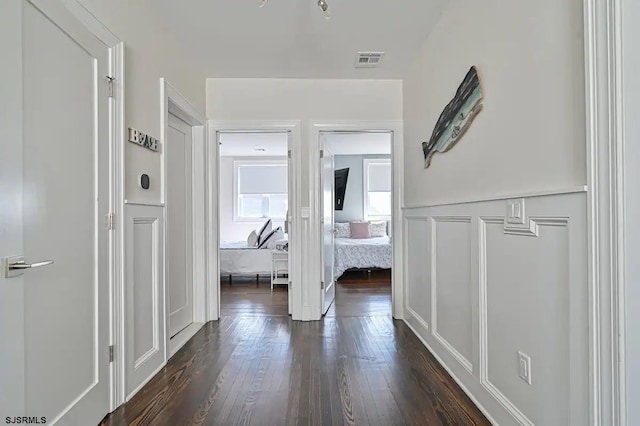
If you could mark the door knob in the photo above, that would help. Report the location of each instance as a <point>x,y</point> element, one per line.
<point>15,266</point>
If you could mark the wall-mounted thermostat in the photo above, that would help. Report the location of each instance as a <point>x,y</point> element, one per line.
<point>144,181</point>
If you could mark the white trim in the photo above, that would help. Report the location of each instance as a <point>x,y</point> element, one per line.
<point>559,191</point>
<point>143,203</point>
<point>365,186</point>
<point>117,375</point>
<point>296,238</point>
<point>464,362</point>
<point>173,102</point>
<point>179,340</point>
<point>446,367</point>
<point>313,291</point>
<point>605,209</point>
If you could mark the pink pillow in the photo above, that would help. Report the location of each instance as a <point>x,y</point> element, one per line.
<point>360,230</point>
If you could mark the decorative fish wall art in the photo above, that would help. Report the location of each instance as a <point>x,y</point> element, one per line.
<point>456,117</point>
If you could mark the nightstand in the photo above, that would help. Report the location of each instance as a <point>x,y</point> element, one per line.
<point>279,267</point>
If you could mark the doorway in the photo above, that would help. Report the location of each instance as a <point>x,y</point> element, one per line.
<point>357,216</point>
<point>254,225</point>
<point>183,195</point>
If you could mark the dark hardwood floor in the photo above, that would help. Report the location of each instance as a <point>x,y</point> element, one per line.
<point>255,366</point>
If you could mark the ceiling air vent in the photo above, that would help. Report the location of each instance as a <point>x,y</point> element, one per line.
<point>369,59</point>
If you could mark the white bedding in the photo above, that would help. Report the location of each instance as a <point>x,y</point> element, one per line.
<point>362,253</point>
<point>237,258</point>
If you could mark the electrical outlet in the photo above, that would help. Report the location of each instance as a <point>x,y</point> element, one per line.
<point>524,367</point>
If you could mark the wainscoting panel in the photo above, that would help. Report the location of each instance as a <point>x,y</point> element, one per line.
<point>418,288</point>
<point>500,286</point>
<point>451,290</point>
<point>144,319</point>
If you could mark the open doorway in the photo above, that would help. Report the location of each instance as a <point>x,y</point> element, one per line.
<point>254,205</point>
<point>357,216</point>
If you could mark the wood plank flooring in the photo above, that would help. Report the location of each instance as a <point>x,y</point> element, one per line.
<point>255,366</point>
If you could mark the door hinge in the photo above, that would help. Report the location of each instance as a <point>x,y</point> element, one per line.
<point>322,153</point>
<point>111,353</point>
<point>289,153</point>
<point>322,285</point>
<point>110,225</point>
<point>111,83</point>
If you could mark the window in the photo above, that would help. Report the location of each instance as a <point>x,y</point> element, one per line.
<point>260,190</point>
<point>377,188</point>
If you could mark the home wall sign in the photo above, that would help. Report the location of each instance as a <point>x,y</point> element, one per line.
<point>144,140</point>
<point>456,117</point>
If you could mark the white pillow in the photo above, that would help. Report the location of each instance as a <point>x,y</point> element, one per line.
<point>252,240</point>
<point>343,230</point>
<point>378,229</point>
<point>264,231</point>
<point>276,238</point>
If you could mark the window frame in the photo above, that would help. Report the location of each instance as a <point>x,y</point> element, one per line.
<point>237,164</point>
<point>365,187</point>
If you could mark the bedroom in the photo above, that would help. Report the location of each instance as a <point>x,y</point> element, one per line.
<point>358,253</point>
<point>253,228</point>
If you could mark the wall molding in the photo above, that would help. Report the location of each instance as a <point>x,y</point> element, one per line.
<point>605,206</point>
<point>532,194</point>
<point>155,347</point>
<point>533,229</point>
<point>466,364</point>
<point>448,369</point>
<point>140,368</point>
<point>484,329</point>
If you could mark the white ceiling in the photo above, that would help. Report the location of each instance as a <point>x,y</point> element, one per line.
<point>358,143</point>
<point>292,39</point>
<point>253,144</point>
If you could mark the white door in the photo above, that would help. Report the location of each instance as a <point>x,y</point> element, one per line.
<point>179,219</point>
<point>54,197</point>
<point>328,200</point>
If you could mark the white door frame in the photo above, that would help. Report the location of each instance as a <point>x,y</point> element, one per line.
<point>313,287</point>
<point>116,198</point>
<point>605,210</point>
<point>173,102</point>
<point>213,213</point>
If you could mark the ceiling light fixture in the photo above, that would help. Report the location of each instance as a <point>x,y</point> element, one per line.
<point>325,8</point>
<point>322,4</point>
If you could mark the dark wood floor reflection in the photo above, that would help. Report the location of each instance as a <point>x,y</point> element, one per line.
<point>243,297</point>
<point>357,366</point>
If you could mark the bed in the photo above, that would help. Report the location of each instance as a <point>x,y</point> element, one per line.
<point>238,259</point>
<point>362,253</point>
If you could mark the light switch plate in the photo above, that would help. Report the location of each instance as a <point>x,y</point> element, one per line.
<point>515,212</point>
<point>524,367</point>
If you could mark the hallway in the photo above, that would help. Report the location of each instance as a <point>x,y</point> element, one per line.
<point>357,366</point>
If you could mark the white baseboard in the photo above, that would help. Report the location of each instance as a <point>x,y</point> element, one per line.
<point>179,340</point>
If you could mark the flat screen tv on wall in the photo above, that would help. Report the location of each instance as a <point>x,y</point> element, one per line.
<point>340,187</point>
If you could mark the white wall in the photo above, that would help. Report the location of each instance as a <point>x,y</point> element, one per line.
<point>231,230</point>
<point>150,53</point>
<point>478,292</point>
<point>630,14</point>
<point>353,207</point>
<point>306,100</point>
<point>530,134</point>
